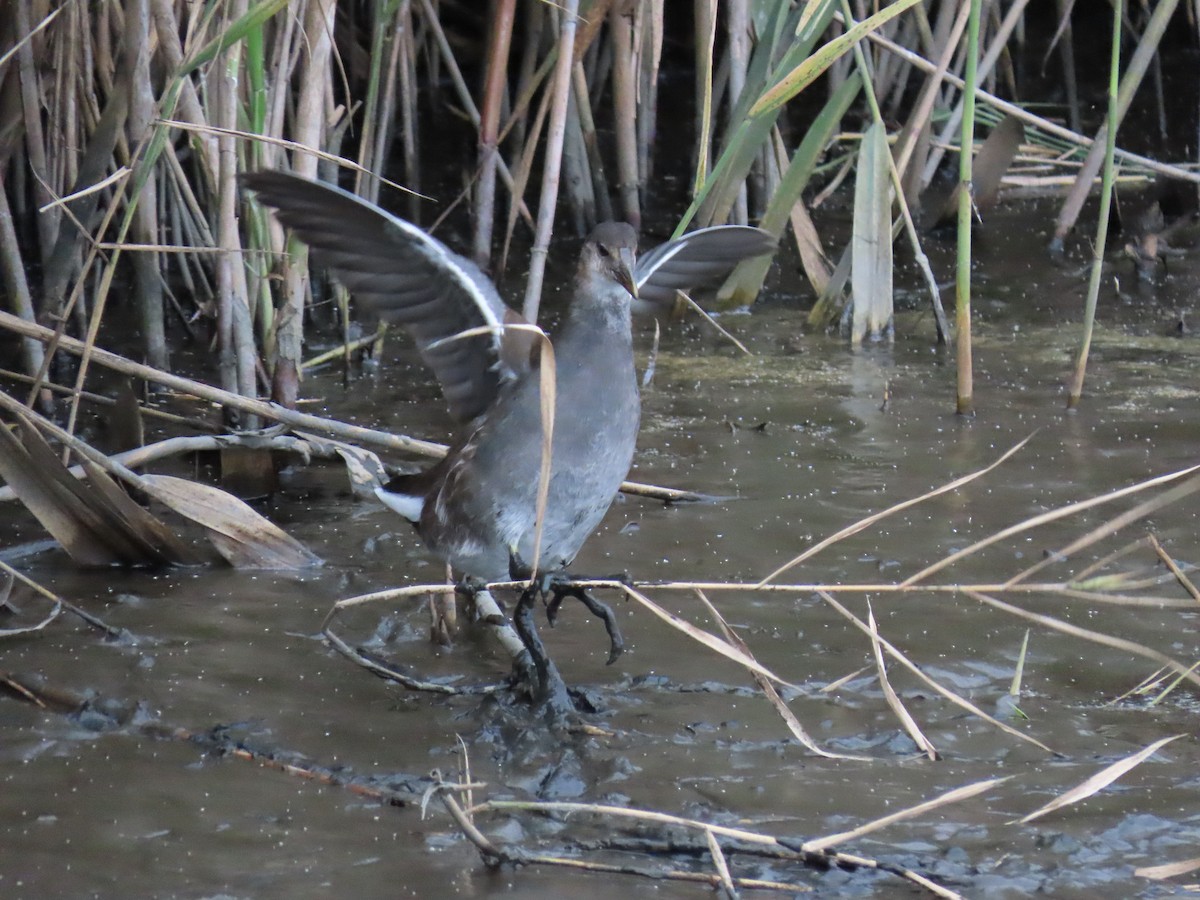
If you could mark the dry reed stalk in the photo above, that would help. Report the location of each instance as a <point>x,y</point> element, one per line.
<point>1088,634</point>
<point>409,128</point>
<point>764,684</point>
<point>986,66</point>
<point>378,109</point>
<point>237,354</point>
<point>964,369</point>
<point>103,288</point>
<point>274,412</point>
<point>287,47</point>
<point>560,90</point>
<point>196,228</point>
<point>898,91</point>
<point>489,613</point>
<point>808,241</point>
<point>650,30</point>
<point>889,693</point>
<point>1064,38</point>
<point>950,695</point>
<point>737,23</point>
<point>1046,125</point>
<point>578,188</point>
<point>142,110</point>
<point>189,109</point>
<point>531,43</point>
<point>1135,70</point>
<point>65,111</point>
<point>816,851</point>
<point>35,139</point>
<point>705,14</point>
<point>499,42</point>
<point>464,95</point>
<point>17,288</point>
<point>625,115</point>
<point>309,131</point>
<point>522,175</point>
<point>587,128</point>
<point>922,111</point>
<point>93,165</point>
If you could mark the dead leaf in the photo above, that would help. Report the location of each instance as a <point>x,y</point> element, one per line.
<point>97,523</point>
<point>1169,870</point>
<point>1100,780</point>
<point>893,699</point>
<point>244,538</point>
<point>871,270</point>
<point>76,529</point>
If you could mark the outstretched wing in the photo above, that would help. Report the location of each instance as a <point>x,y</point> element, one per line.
<point>402,274</point>
<point>699,259</point>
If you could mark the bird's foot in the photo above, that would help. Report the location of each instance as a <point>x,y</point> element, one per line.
<point>549,689</point>
<point>557,585</point>
<point>560,586</point>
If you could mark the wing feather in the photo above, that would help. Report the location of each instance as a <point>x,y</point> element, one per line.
<point>699,259</point>
<point>404,275</point>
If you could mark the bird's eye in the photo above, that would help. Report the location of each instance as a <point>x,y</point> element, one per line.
<point>603,251</point>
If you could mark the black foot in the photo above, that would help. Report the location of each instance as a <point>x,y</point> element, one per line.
<point>550,691</point>
<point>558,585</point>
<point>602,611</point>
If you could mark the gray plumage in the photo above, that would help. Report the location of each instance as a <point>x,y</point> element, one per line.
<point>698,259</point>
<point>477,506</point>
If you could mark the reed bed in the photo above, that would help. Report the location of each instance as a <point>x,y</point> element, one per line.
<point>124,240</point>
<point>127,125</point>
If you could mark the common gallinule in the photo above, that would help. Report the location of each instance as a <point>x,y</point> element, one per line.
<point>476,508</point>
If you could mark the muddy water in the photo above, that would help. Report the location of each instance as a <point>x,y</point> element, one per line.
<point>94,804</point>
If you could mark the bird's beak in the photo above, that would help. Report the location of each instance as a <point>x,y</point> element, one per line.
<point>624,271</point>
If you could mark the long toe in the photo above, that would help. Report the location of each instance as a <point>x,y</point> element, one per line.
<point>549,690</point>
<point>597,608</point>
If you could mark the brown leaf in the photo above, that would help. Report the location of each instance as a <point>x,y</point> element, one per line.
<point>242,536</point>
<point>73,522</point>
<point>48,505</point>
<point>158,538</point>
<point>101,503</point>
<point>1101,779</point>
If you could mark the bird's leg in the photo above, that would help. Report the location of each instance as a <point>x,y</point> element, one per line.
<point>549,688</point>
<point>488,609</point>
<point>559,586</point>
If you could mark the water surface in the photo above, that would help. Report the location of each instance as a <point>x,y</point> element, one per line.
<point>802,438</point>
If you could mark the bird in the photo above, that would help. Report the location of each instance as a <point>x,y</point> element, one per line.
<point>477,507</point>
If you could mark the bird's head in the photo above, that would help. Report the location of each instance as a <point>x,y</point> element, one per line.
<point>609,253</point>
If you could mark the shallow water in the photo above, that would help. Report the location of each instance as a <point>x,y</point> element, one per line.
<point>94,804</point>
